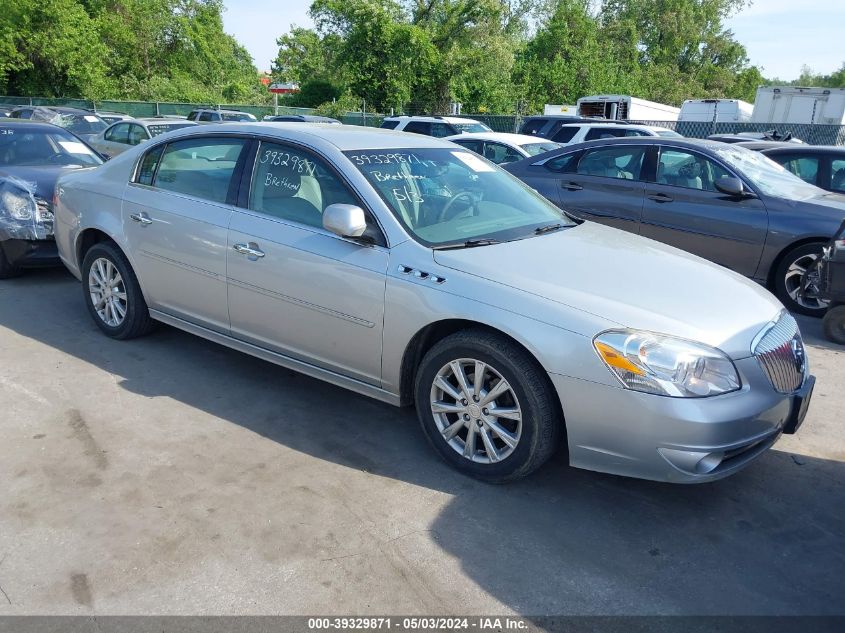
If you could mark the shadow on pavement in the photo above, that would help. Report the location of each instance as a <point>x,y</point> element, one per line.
<point>766,541</point>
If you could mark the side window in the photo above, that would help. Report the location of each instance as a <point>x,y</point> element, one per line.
<point>805,167</point>
<point>418,127</point>
<point>200,167</point>
<point>118,133</point>
<point>837,175</point>
<point>604,132</point>
<point>471,145</point>
<point>687,169</point>
<point>625,163</point>
<point>294,184</point>
<point>137,134</point>
<point>532,127</point>
<point>389,125</point>
<point>192,115</point>
<point>500,154</point>
<point>147,168</point>
<point>562,164</point>
<point>441,130</point>
<point>204,116</point>
<point>565,134</point>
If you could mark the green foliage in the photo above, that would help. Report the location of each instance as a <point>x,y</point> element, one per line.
<point>129,49</point>
<point>809,78</point>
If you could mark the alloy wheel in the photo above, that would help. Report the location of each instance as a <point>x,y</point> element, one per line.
<point>802,282</point>
<point>108,292</point>
<point>476,410</point>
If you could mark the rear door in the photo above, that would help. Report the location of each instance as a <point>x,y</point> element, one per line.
<point>683,208</point>
<point>115,140</point>
<point>176,216</point>
<point>605,186</point>
<point>294,287</point>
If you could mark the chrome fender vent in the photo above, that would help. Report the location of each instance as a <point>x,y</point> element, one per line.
<point>420,274</point>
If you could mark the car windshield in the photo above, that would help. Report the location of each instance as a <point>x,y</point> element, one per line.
<point>765,174</point>
<point>445,196</point>
<point>539,148</point>
<point>237,116</point>
<point>161,128</point>
<point>471,127</point>
<point>668,134</point>
<point>80,123</point>
<point>43,147</point>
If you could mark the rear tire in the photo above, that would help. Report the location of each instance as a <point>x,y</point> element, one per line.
<point>461,422</point>
<point>112,293</point>
<point>834,324</point>
<point>788,277</point>
<point>7,271</point>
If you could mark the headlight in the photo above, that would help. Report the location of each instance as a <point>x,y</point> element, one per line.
<point>18,205</point>
<point>665,365</point>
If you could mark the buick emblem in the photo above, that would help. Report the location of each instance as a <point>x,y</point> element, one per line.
<point>798,354</point>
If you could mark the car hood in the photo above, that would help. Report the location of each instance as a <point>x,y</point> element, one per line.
<point>629,280</point>
<point>42,177</point>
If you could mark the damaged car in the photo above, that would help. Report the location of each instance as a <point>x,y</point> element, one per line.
<point>32,157</point>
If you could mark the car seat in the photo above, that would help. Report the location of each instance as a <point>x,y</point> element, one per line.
<point>837,182</point>
<point>275,193</point>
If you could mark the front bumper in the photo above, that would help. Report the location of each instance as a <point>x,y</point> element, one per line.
<point>31,253</point>
<point>681,440</point>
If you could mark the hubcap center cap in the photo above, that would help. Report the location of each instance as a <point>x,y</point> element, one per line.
<point>474,410</point>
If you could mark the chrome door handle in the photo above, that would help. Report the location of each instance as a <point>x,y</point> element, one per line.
<point>142,218</point>
<point>251,250</point>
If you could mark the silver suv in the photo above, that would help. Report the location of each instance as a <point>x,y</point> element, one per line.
<point>411,270</point>
<point>220,116</point>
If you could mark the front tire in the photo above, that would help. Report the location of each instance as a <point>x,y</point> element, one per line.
<point>487,406</point>
<point>798,294</point>
<point>834,324</point>
<point>112,293</point>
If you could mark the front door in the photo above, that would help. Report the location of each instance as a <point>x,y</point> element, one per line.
<point>176,215</point>
<point>605,186</point>
<point>294,287</point>
<point>684,209</point>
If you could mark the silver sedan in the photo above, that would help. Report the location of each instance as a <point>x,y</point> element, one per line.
<point>120,136</point>
<point>405,268</point>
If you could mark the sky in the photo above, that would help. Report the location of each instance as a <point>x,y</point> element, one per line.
<point>780,35</point>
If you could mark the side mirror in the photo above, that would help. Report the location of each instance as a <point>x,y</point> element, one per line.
<point>345,220</point>
<point>732,187</point>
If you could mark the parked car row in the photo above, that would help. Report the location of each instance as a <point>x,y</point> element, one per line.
<point>511,312</point>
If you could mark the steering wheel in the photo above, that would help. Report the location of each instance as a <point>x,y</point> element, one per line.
<point>466,193</point>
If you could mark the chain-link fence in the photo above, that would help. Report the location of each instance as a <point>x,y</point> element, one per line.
<point>809,133</point>
<point>161,108</point>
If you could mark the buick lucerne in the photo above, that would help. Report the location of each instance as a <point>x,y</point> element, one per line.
<point>411,270</point>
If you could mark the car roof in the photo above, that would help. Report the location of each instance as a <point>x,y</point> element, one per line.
<point>766,145</point>
<point>33,125</point>
<point>503,137</point>
<point>800,148</point>
<point>432,118</point>
<point>150,120</point>
<point>343,137</point>
<point>691,143</point>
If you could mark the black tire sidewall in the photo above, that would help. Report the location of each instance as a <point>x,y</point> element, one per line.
<point>780,274</point>
<point>834,324</point>
<point>514,464</point>
<point>135,301</point>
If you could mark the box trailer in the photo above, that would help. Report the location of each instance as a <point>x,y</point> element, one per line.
<point>626,108</point>
<point>571,110</point>
<point>790,104</point>
<point>716,110</point>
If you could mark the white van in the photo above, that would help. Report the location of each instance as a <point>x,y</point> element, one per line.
<point>718,110</point>
<point>625,108</point>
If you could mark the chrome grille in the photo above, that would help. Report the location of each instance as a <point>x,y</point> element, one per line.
<point>780,352</point>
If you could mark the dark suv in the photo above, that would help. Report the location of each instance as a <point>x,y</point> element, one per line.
<point>549,125</point>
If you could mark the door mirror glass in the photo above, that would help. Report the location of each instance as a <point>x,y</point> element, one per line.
<point>731,186</point>
<point>346,220</point>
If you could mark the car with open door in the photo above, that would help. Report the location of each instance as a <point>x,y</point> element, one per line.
<point>722,202</point>
<point>411,270</point>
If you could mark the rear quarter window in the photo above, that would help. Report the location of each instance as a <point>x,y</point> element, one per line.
<point>389,125</point>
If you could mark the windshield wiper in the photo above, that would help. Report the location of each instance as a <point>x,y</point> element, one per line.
<point>549,228</point>
<point>467,244</point>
